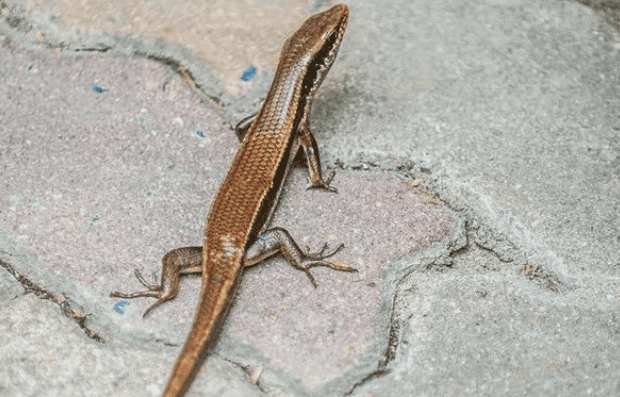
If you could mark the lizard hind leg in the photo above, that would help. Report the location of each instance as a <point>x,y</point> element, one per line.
<point>152,290</point>
<point>179,261</point>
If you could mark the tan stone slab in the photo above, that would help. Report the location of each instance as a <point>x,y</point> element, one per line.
<point>228,34</point>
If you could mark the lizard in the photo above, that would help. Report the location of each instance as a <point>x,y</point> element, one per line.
<point>236,234</point>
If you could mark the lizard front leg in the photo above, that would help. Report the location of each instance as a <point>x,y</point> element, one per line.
<point>279,240</point>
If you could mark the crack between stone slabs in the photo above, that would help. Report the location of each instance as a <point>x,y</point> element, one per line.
<point>390,351</point>
<point>439,263</point>
<point>17,21</point>
<point>404,171</point>
<point>165,343</point>
<point>87,49</point>
<point>537,274</point>
<point>68,308</point>
<point>254,373</point>
<point>417,171</point>
<point>182,71</point>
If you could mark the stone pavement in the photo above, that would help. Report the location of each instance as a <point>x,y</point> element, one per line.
<point>478,169</point>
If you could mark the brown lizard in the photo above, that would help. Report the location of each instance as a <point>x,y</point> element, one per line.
<point>235,235</point>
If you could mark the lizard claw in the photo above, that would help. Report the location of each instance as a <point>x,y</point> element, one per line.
<point>323,184</point>
<point>152,290</point>
<point>312,259</point>
<point>151,287</point>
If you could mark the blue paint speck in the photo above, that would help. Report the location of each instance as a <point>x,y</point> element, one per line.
<point>99,90</point>
<point>249,73</point>
<point>118,306</point>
